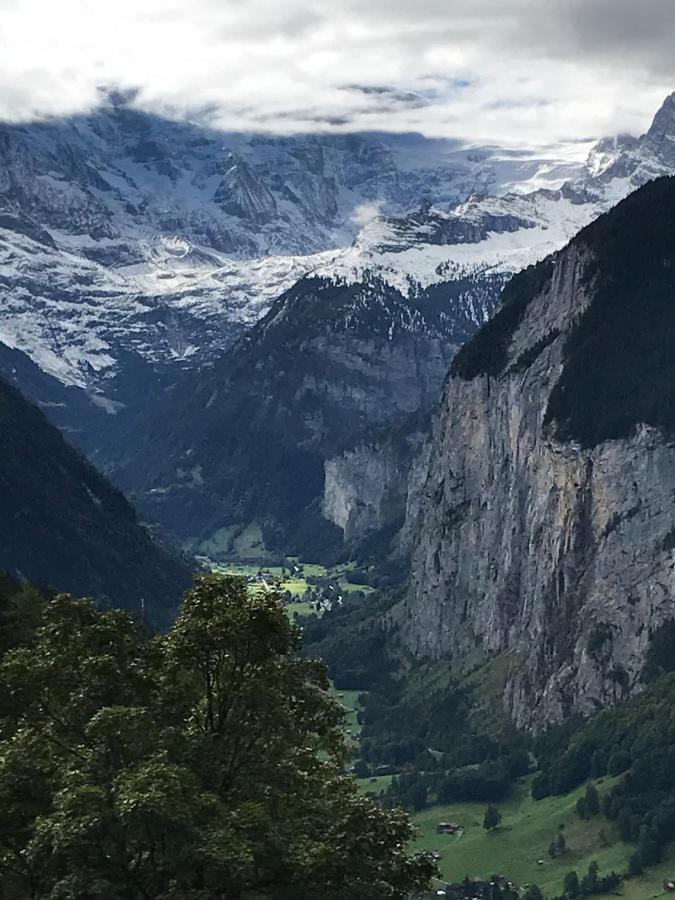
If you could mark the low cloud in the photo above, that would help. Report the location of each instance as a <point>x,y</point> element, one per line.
<point>530,72</point>
<point>366,212</point>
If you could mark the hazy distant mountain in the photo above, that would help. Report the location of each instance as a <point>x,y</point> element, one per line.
<point>246,440</point>
<point>133,247</point>
<point>136,250</point>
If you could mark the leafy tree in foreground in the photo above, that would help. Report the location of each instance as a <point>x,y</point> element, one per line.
<point>203,764</point>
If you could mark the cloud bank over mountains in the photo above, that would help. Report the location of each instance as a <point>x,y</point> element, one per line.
<point>527,73</point>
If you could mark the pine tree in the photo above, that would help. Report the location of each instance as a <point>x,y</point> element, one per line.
<point>582,808</point>
<point>571,885</point>
<point>492,818</point>
<point>592,800</point>
<point>533,893</point>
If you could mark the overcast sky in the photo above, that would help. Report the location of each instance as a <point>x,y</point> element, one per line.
<point>520,72</point>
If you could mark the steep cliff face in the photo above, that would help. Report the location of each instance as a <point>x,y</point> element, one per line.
<point>542,518</point>
<point>366,487</point>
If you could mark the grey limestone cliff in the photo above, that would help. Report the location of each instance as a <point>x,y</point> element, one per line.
<point>366,487</point>
<point>527,539</point>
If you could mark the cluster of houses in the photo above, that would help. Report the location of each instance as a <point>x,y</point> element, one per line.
<point>262,578</point>
<point>478,889</point>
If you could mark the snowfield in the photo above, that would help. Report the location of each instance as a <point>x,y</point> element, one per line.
<point>129,241</point>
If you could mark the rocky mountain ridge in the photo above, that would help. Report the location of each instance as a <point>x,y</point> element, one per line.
<point>134,248</point>
<point>131,261</point>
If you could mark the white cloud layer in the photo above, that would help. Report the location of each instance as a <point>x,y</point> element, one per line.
<point>520,72</point>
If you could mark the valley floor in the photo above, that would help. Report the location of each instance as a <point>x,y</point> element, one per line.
<point>518,848</point>
<point>299,584</point>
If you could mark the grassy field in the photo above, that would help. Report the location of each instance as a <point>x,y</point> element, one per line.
<point>650,884</point>
<point>241,542</point>
<point>349,701</point>
<point>244,543</point>
<point>299,609</point>
<point>522,840</point>
<point>375,785</point>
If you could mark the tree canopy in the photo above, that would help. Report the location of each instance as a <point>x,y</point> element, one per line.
<point>204,763</point>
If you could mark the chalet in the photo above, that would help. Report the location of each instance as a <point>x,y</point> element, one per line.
<point>448,828</point>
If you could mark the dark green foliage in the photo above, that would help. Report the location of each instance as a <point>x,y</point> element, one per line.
<point>591,883</point>
<point>620,677</point>
<point>397,728</point>
<point>203,765</point>
<point>561,771</point>
<point>492,818</point>
<point>64,524</point>
<point>598,638</point>
<point>486,353</point>
<point>571,885</point>
<point>618,762</point>
<point>401,725</point>
<point>589,804</point>
<point>533,892</point>
<point>21,607</point>
<point>353,642</point>
<point>412,792</point>
<point>518,762</point>
<point>635,864</point>
<point>361,768</point>
<point>619,361</point>
<point>592,800</point>
<point>636,737</point>
<point>582,808</point>
<point>660,656</point>
<point>489,780</point>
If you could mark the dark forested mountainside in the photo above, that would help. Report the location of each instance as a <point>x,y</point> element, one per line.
<point>63,524</point>
<point>619,364</point>
<point>618,368</point>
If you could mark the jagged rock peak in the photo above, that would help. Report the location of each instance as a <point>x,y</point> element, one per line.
<point>663,124</point>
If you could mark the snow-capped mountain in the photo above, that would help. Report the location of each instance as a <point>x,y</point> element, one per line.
<point>133,247</point>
